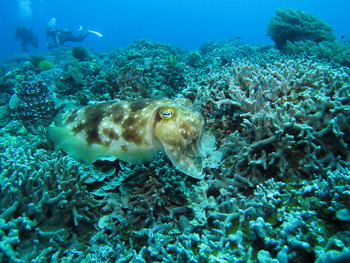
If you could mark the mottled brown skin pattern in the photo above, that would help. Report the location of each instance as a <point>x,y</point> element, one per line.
<point>138,105</point>
<point>117,111</point>
<point>130,134</point>
<point>72,116</point>
<point>93,116</point>
<point>108,132</point>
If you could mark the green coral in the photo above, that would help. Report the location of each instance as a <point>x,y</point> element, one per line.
<point>45,65</point>
<point>172,61</point>
<point>35,60</point>
<point>79,53</point>
<point>330,50</point>
<point>195,59</point>
<point>295,25</point>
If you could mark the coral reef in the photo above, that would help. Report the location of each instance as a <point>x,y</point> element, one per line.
<point>150,67</point>
<point>332,51</point>
<point>45,65</point>
<point>43,205</point>
<point>295,25</point>
<point>79,53</point>
<point>298,33</point>
<point>35,60</point>
<point>275,149</point>
<point>285,119</point>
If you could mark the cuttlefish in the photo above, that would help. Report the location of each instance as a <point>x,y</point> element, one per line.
<point>133,131</point>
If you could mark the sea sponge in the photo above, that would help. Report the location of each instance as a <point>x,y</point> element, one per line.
<point>295,25</point>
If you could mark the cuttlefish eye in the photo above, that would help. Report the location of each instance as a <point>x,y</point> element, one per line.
<point>166,113</point>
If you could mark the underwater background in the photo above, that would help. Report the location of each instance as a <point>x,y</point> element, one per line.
<point>270,180</point>
<point>181,23</point>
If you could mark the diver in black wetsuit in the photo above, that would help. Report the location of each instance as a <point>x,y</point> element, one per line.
<point>26,36</point>
<point>58,36</point>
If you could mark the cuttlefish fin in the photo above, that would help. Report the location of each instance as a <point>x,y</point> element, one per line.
<point>75,146</point>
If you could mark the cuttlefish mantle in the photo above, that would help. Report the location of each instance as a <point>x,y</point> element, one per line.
<point>133,131</point>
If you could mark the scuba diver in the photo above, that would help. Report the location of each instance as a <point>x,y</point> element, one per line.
<point>58,36</point>
<point>26,36</point>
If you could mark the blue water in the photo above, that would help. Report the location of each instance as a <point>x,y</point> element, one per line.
<point>184,23</point>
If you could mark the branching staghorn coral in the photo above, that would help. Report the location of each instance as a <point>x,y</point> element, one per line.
<point>43,199</point>
<point>143,209</point>
<point>289,118</point>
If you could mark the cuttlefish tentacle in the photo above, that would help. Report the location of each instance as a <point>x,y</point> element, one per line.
<point>134,131</point>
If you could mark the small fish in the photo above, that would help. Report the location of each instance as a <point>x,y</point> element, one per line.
<point>133,131</point>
